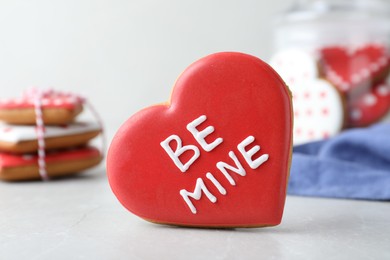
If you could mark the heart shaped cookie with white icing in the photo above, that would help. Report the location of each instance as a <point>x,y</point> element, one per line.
<point>295,65</point>
<point>318,111</point>
<point>217,155</point>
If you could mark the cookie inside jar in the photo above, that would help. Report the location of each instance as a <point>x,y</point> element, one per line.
<point>344,43</point>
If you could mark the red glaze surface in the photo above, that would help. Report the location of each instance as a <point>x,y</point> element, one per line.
<point>49,101</point>
<point>14,160</point>
<point>241,96</point>
<point>370,107</point>
<point>349,69</point>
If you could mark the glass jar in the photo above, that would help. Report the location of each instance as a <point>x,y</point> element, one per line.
<point>343,42</point>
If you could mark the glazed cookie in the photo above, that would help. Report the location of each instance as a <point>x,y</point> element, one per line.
<point>57,108</point>
<point>218,155</point>
<point>318,106</point>
<point>369,107</point>
<point>350,69</point>
<point>295,65</point>
<point>24,139</point>
<point>58,164</point>
<point>318,111</point>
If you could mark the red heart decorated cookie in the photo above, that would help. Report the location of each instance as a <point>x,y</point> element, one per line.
<point>217,155</point>
<point>369,107</point>
<point>349,69</point>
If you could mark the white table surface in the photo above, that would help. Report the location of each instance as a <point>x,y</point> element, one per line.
<point>79,218</point>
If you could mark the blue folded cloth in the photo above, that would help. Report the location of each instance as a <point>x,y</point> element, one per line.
<point>354,165</point>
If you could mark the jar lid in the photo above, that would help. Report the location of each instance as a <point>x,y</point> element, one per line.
<point>305,10</point>
<point>323,22</point>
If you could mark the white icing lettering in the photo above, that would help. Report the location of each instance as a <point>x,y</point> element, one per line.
<point>201,135</point>
<point>179,151</point>
<point>216,183</point>
<point>222,166</point>
<point>247,148</point>
<point>254,164</point>
<point>197,194</point>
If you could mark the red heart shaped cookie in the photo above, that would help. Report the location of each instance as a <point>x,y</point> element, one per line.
<point>217,155</point>
<point>349,69</point>
<point>369,107</point>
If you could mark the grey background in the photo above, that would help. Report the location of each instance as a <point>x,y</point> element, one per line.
<point>123,55</point>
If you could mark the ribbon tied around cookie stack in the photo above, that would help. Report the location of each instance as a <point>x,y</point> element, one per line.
<point>40,137</point>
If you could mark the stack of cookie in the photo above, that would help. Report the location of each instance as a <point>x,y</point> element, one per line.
<point>335,87</point>
<point>40,139</point>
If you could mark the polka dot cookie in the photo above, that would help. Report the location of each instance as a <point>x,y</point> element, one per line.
<point>294,65</point>
<point>318,106</point>
<point>369,107</point>
<point>351,68</point>
<point>318,111</point>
